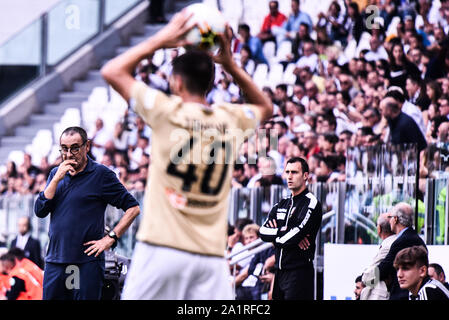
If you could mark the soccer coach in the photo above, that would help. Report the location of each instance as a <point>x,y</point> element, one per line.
<point>292,225</point>
<point>76,195</point>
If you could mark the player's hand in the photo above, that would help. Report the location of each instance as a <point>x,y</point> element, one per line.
<point>224,54</point>
<point>174,33</point>
<point>64,167</point>
<point>267,277</point>
<point>98,246</point>
<point>304,244</point>
<point>272,223</point>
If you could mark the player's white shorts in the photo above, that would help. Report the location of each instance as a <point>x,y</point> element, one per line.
<point>162,273</point>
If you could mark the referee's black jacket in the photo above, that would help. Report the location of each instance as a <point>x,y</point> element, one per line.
<point>296,217</point>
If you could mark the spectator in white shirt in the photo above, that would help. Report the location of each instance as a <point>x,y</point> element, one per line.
<point>377,51</point>
<point>310,58</point>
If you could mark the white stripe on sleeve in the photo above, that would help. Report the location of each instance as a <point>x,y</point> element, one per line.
<point>287,236</point>
<point>268,231</point>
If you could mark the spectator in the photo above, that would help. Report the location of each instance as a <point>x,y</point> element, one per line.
<point>327,142</point>
<point>403,129</point>
<point>100,136</point>
<point>302,36</point>
<point>246,61</point>
<point>239,179</point>
<point>236,241</point>
<point>401,222</point>
<point>135,156</point>
<point>344,142</point>
<point>400,67</point>
<point>267,169</point>
<point>411,265</point>
<point>281,97</point>
<point>372,118</point>
<point>353,22</point>
<point>288,30</point>
<point>375,289</point>
<point>258,275</point>
<point>416,94</point>
<point>252,173</point>
<point>359,285</point>
<point>435,271</point>
<point>252,42</point>
<point>248,286</point>
<point>273,19</point>
<point>327,170</point>
<point>22,286</point>
<point>333,21</point>
<point>25,242</point>
<point>310,143</point>
<point>309,57</point>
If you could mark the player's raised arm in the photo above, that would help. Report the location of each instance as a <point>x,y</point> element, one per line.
<point>252,93</point>
<point>118,72</point>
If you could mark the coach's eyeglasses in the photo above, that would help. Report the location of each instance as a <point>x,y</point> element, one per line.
<point>73,149</point>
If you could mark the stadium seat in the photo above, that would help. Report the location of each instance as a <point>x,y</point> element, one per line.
<point>363,43</point>
<point>232,11</point>
<point>289,77</point>
<point>392,27</point>
<point>284,48</point>
<point>260,75</point>
<point>16,156</point>
<point>269,51</point>
<point>276,74</point>
<point>350,50</point>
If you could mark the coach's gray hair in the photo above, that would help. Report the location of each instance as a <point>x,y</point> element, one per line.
<point>384,225</point>
<point>404,212</point>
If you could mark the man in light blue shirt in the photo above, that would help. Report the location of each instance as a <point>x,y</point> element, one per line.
<point>291,26</point>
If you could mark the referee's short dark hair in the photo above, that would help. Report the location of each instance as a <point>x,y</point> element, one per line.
<point>304,164</point>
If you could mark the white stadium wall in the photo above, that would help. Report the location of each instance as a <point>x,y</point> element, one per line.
<point>344,262</point>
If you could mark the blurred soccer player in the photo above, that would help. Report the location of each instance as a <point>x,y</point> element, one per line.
<point>182,236</point>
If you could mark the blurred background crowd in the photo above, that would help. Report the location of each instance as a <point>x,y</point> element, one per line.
<point>329,75</point>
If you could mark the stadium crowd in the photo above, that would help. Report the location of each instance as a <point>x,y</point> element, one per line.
<point>345,81</point>
<point>327,81</point>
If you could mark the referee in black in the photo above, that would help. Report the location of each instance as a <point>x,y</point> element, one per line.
<point>292,225</point>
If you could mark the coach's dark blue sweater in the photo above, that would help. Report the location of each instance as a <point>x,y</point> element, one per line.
<point>77,211</point>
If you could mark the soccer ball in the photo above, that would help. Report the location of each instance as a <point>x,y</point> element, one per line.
<point>209,22</point>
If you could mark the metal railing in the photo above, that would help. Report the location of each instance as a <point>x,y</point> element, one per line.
<point>338,226</point>
<point>243,253</point>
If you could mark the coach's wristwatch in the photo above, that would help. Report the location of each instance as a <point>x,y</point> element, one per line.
<point>113,235</point>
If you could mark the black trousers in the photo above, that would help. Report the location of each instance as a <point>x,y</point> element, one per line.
<point>294,284</point>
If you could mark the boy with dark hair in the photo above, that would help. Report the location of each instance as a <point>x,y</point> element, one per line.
<point>411,265</point>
